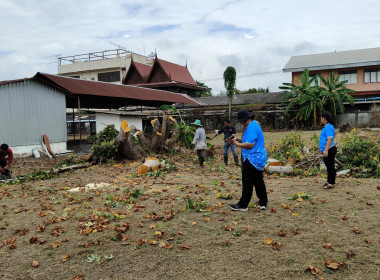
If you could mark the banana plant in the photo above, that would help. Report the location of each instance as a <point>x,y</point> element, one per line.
<point>335,93</point>
<point>306,95</point>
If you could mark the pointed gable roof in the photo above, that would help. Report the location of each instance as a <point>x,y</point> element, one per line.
<point>138,73</point>
<point>174,72</point>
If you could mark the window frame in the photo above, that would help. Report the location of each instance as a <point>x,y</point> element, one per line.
<point>110,77</point>
<point>368,75</point>
<point>349,76</point>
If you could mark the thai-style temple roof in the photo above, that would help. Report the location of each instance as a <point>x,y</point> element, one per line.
<point>162,75</point>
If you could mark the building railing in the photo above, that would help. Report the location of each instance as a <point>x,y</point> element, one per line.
<point>93,56</point>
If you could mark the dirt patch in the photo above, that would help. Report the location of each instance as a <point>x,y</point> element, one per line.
<point>145,227</point>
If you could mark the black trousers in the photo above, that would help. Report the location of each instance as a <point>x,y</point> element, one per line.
<point>201,156</point>
<point>252,177</point>
<point>3,163</point>
<point>330,165</point>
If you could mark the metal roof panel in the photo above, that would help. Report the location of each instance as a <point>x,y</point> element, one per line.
<point>333,60</point>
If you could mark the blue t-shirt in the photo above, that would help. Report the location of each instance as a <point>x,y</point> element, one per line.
<point>327,131</point>
<point>257,155</point>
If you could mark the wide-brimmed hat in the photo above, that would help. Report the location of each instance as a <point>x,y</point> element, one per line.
<point>197,122</point>
<point>244,115</point>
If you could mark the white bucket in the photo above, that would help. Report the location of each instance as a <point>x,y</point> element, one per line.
<point>36,153</point>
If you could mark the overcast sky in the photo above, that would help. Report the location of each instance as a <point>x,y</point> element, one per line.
<point>256,37</point>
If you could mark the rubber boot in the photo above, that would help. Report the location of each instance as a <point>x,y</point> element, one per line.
<point>236,158</point>
<point>225,160</point>
<point>201,161</point>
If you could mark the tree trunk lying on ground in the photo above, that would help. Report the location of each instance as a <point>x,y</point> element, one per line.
<point>151,164</point>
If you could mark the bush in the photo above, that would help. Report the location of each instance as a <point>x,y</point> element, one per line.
<point>289,147</point>
<point>362,153</point>
<point>105,147</point>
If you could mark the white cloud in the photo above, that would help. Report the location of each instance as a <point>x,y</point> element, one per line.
<point>252,36</point>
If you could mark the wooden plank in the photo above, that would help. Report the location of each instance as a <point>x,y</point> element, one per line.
<point>47,144</point>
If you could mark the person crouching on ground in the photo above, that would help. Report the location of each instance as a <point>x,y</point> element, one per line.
<point>328,148</point>
<point>229,132</point>
<point>254,159</point>
<point>199,142</point>
<point>6,159</point>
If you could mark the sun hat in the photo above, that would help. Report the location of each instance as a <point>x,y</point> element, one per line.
<point>244,115</point>
<point>197,122</point>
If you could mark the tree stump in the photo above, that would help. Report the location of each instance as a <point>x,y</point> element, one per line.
<point>129,146</point>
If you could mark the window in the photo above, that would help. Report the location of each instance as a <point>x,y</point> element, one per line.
<point>109,76</point>
<point>350,76</point>
<point>372,76</point>
<point>317,82</point>
<point>76,77</point>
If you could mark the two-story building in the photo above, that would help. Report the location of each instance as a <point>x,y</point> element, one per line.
<point>361,68</point>
<point>105,66</point>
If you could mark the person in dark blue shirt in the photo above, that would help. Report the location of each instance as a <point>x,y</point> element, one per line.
<point>229,132</point>
<point>328,148</point>
<point>254,160</point>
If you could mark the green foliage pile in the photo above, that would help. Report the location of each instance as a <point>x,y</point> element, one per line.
<point>105,147</point>
<point>362,153</point>
<point>185,133</point>
<point>289,147</point>
<point>70,160</point>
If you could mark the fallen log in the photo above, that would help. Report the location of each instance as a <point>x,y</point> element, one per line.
<point>343,172</point>
<point>89,187</point>
<point>151,164</point>
<point>280,169</point>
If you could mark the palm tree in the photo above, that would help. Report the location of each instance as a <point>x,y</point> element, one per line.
<point>229,76</point>
<point>306,94</point>
<point>335,93</point>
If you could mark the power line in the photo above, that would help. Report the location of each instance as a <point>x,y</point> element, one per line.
<point>243,76</point>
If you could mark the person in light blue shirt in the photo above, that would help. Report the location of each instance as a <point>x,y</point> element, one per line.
<point>328,148</point>
<point>254,159</point>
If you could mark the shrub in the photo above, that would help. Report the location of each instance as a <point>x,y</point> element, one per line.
<point>105,147</point>
<point>362,153</point>
<point>291,146</point>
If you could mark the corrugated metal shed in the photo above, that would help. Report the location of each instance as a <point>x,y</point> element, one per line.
<point>30,109</point>
<point>334,60</point>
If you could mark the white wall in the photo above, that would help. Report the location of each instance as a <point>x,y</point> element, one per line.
<point>102,120</point>
<point>26,151</point>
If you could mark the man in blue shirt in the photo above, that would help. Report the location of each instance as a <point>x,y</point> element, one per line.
<point>254,159</point>
<point>229,132</point>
